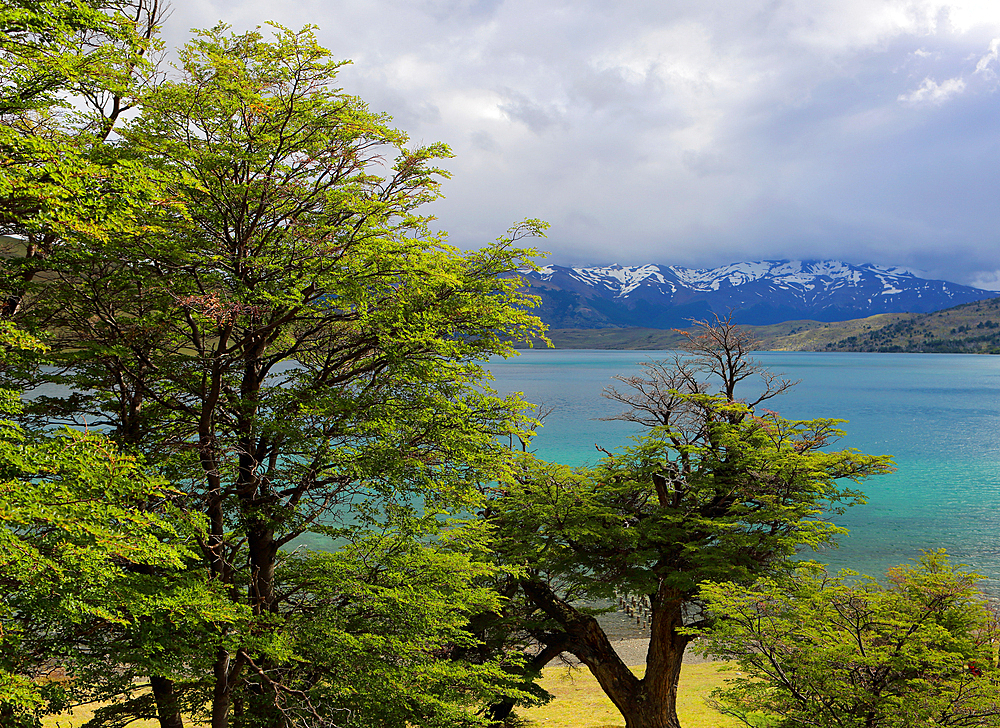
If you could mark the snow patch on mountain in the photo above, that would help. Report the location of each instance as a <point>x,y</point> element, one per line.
<point>791,275</point>
<point>755,292</point>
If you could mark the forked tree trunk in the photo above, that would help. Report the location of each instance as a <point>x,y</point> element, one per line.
<point>650,702</point>
<point>657,705</point>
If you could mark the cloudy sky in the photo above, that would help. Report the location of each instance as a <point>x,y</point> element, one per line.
<point>689,132</point>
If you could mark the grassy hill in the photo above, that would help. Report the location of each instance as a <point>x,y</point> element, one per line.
<point>972,328</point>
<point>818,336</point>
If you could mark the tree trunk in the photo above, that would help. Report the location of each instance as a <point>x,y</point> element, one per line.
<point>647,703</point>
<point>263,550</point>
<point>663,660</point>
<point>222,693</point>
<point>167,708</point>
<point>262,698</point>
<point>499,711</point>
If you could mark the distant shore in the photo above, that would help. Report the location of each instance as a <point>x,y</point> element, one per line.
<point>972,328</point>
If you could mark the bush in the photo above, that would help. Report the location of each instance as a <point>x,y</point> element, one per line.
<point>916,650</point>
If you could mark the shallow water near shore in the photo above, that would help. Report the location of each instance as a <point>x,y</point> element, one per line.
<point>938,415</point>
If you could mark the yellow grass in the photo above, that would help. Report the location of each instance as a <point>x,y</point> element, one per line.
<point>580,703</point>
<point>79,716</point>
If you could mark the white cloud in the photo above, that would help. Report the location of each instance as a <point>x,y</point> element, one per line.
<point>966,15</point>
<point>983,66</point>
<point>689,132</point>
<point>930,92</point>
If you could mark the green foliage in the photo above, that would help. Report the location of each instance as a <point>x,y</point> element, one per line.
<point>69,71</point>
<point>716,490</point>
<point>754,491</point>
<point>388,615</point>
<point>276,330</point>
<point>51,47</point>
<point>815,650</point>
<point>84,531</point>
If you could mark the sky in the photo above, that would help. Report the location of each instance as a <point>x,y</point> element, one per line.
<point>686,132</point>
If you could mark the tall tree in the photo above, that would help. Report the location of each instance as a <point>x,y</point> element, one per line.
<point>293,350</point>
<point>714,491</point>
<point>86,531</point>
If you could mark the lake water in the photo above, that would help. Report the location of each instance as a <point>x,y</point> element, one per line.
<point>938,415</point>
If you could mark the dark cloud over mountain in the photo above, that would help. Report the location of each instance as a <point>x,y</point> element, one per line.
<point>690,133</point>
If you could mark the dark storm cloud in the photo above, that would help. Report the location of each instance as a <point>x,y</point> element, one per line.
<point>689,132</point>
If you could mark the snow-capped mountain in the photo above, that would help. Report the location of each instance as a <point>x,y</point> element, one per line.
<point>760,292</point>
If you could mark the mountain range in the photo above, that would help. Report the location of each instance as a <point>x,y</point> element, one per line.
<point>756,293</point>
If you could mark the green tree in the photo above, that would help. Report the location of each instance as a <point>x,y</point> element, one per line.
<point>290,347</point>
<point>85,528</point>
<point>390,616</point>
<point>713,492</point>
<point>69,71</point>
<point>814,650</point>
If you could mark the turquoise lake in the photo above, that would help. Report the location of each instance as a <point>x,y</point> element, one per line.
<point>938,415</point>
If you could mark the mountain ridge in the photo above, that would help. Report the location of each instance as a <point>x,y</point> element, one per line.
<point>754,292</point>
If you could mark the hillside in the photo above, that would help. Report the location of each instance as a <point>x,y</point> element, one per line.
<point>819,336</point>
<point>627,338</point>
<point>972,328</point>
<point>787,336</point>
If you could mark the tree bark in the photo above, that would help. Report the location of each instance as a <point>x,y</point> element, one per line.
<point>647,703</point>
<point>222,693</point>
<point>664,658</point>
<point>167,708</point>
<point>263,550</point>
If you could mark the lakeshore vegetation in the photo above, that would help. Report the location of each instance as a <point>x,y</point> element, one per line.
<point>250,335</point>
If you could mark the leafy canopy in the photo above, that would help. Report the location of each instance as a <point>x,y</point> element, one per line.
<point>661,513</point>
<point>718,489</point>
<point>85,526</point>
<point>295,353</point>
<point>815,650</point>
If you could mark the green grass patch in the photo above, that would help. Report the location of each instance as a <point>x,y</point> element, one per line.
<point>80,715</point>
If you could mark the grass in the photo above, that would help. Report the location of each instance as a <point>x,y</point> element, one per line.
<point>580,703</point>
<point>78,716</point>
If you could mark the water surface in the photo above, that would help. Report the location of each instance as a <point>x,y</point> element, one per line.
<point>938,415</point>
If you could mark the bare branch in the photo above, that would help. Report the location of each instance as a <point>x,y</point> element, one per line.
<point>716,352</point>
